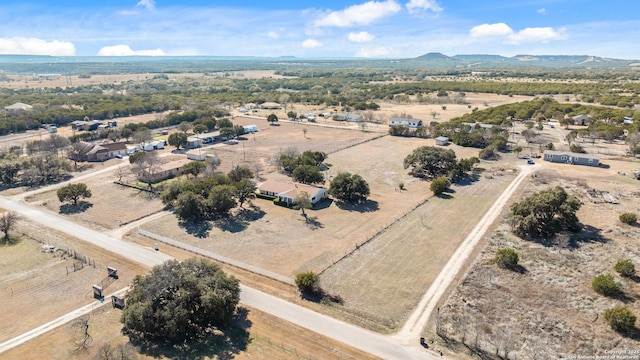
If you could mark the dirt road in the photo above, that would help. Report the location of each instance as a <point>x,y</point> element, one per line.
<point>420,316</point>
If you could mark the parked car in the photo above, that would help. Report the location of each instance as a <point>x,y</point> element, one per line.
<point>530,162</point>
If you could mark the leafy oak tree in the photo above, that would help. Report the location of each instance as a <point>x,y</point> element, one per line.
<point>430,161</point>
<point>180,301</point>
<point>178,139</point>
<point>351,188</point>
<point>545,213</point>
<point>439,185</point>
<point>73,193</point>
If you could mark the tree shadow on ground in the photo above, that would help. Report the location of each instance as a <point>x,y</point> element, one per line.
<point>11,240</point>
<point>363,207</point>
<point>447,194</point>
<point>573,240</point>
<point>68,209</point>
<point>469,179</point>
<point>196,228</point>
<point>219,345</point>
<point>241,220</point>
<point>312,222</point>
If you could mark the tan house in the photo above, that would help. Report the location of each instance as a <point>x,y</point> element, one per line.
<point>287,191</point>
<point>270,105</point>
<point>101,152</point>
<point>164,171</point>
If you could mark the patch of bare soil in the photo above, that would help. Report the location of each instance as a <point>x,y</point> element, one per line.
<point>548,309</point>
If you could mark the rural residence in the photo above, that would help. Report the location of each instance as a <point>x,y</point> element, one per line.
<point>18,107</point>
<point>412,123</point>
<point>287,191</point>
<point>571,158</point>
<point>100,152</point>
<point>164,171</point>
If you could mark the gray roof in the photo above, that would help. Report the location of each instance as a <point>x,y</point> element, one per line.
<point>572,154</point>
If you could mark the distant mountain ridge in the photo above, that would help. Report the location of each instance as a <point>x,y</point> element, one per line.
<point>433,60</point>
<point>545,61</point>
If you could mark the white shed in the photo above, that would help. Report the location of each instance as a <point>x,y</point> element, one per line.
<point>249,129</point>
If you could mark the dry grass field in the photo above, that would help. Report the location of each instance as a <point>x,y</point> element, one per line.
<point>549,309</point>
<point>267,338</point>
<point>37,286</point>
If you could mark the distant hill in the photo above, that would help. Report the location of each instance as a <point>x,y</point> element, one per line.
<point>486,61</point>
<point>434,60</point>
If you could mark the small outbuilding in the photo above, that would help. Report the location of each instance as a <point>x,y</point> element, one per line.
<point>442,141</point>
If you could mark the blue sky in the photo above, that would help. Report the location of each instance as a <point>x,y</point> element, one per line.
<point>333,28</point>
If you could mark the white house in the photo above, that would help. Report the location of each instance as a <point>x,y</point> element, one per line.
<point>249,129</point>
<point>412,123</point>
<point>287,191</point>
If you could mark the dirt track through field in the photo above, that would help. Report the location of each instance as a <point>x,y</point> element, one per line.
<point>418,319</point>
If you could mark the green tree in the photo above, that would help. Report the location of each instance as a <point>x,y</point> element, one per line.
<point>577,149</point>
<point>605,284</point>
<point>628,218</point>
<point>200,128</point>
<point>439,185</point>
<point>227,132</point>
<point>307,282</point>
<point>221,200</point>
<point>224,123</point>
<point>545,213</point>
<point>272,119</point>
<point>308,174</point>
<point>240,172</point>
<point>245,190</point>
<point>189,206</point>
<point>180,301</point>
<point>430,161</point>
<point>292,115</point>
<point>194,168</point>
<point>621,319</point>
<point>507,258</point>
<point>73,193</point>
<point>626,268</point>
<point>178,139</point>
<point>351,188</point>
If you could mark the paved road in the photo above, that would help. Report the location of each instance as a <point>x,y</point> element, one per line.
<point>419,317</point>
<point>375,344</point>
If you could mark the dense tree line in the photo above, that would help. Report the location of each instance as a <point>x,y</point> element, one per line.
<point>211,197</point>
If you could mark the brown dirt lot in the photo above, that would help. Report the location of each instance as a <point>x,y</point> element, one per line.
<point>550,308</point>
<point>268,338</point>
<point>35,287</point>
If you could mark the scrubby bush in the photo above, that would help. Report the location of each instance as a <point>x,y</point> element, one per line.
<point>620,318</point>
<point>629,218</point>
<point>507,258</point>
<point>606,285</point>
<point>626,268</point>
<point>439,185</point>
<point>307,281</point>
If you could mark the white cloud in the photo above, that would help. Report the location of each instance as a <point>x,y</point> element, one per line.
<point>539,34</point>
<point>374,52</point>
<point>149,4</point>
<point>363,14</point>
<point>311,44</point>
<point>125,50</point>
<point>490,30</point>
<point>273,34</point>
<point>35,46</point>
<point>360,37</point>
<point>422,5</point>
<point>542,11</point>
